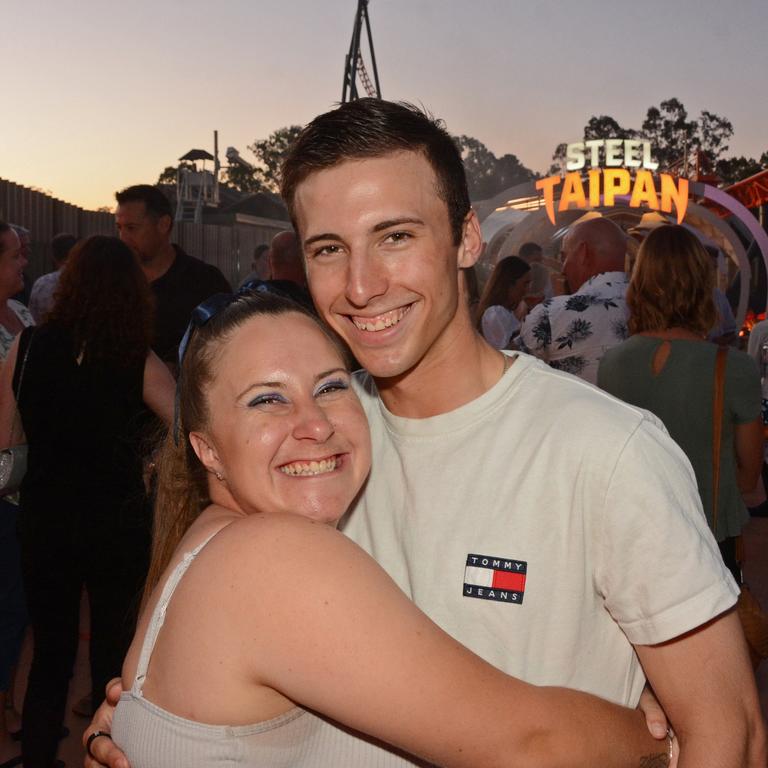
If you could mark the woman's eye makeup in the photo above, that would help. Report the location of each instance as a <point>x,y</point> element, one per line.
<point>332,385</point>
<point>272,398</point>
<point>267,398</point>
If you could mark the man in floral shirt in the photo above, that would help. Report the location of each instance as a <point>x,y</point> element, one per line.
<point>572,332</point>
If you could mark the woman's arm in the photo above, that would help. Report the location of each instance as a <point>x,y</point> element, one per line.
<point>8,408</point>
<point>332,631</point>
<point>748,444</point>
<point>159,388</point>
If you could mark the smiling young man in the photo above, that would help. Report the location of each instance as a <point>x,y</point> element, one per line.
<point>551,529</point>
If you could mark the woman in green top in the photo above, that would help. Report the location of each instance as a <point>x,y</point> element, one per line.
<point>668,368</point>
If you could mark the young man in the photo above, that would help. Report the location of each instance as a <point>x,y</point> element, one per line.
<point>551,529</point>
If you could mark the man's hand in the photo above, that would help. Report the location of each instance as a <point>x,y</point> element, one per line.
<point>103,748</point>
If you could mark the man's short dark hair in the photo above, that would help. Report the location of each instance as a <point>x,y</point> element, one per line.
<point>155,202</point>
<point>61,245</point>
<point>369,128</point>
<point>529,249</point>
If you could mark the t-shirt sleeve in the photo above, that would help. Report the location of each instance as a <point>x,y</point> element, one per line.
<point>34,301</point>
<point>659,567</point>
<point>743,389</point>
<point>498,326</point>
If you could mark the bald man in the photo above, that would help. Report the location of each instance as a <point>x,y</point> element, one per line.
<point>285,259</point>
<point>286,270</point>
<point>572,332</point>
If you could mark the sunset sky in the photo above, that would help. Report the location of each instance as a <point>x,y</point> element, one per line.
<point>99,95</point>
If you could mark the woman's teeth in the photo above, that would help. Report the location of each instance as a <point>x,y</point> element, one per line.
<point>306,468</point>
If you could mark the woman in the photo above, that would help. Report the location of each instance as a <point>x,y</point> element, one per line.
<point>263,614</point>
<point>668,367</point>
<point>88,374</point>
<point>14,317</point>
<point>506,287</point>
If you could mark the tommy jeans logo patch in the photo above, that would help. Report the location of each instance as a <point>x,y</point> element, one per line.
<point>495,578</point>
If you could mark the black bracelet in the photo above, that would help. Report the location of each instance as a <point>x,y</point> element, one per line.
<point>95,735</point>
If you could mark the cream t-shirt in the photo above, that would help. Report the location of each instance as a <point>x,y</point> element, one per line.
<point>546,526</point>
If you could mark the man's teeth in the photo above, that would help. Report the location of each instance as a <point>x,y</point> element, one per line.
<point>381,322</point>
<point>307,468</point>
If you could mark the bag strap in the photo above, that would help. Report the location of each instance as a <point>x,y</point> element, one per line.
<point>717,428</point>
<point>25,342</point>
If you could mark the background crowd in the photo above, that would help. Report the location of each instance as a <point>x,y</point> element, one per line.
<point>90,388</point>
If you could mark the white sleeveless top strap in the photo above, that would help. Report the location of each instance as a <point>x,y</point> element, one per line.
<point>158,615</point>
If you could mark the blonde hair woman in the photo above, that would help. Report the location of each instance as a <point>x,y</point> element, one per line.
<point>668,367</point>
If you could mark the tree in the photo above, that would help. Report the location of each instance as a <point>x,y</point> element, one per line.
<point>597,128</point>
<point>605,126</point>
<point>734,169</point>
<point>670,132</point>
<point>714,132</point>
<point>479,166</point>
<point>168,176</point>
<point>488,175</point>
<point>263,174</point>
<point>558,160</point>
<point>510,171</point>
<point>243,178</point>
<point>269,153</point>
<point>673,135</point>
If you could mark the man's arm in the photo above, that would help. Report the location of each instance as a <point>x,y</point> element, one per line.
<point>748,445</point>
<point>665,584</point>
<point>705,683</point>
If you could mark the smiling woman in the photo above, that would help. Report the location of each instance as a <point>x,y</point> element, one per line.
<point>263,615</point>
<point>14,317</point>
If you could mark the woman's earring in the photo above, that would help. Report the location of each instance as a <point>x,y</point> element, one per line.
<point>219,476</point>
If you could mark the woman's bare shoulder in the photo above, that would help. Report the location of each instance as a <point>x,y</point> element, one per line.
<point>253,552</point>
<point>276,538</point>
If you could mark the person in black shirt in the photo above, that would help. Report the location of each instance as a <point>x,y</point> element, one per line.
<point>179,281</point>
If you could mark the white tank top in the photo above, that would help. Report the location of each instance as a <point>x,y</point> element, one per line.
<point>151,737</point>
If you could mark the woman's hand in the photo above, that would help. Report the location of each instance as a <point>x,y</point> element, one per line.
<point>655,718</point>
<point>102,748</point>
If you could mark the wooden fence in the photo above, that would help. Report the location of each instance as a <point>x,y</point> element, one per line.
<point>228,246</point>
